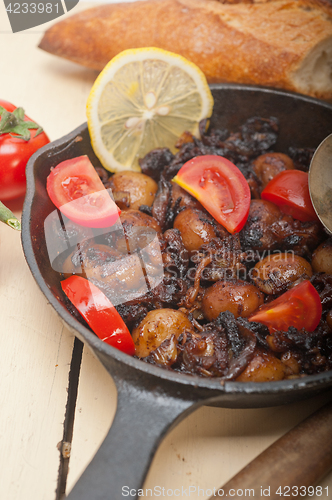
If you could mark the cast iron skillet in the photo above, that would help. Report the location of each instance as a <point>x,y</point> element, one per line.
<point>150,399</point>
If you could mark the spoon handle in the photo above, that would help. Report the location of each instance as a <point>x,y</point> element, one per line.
<point>295,462</point>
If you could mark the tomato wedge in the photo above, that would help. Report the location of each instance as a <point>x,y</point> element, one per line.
<point>290,191</point>
<point>99,313</point>
<point>300,307</point>
<point>76,190</point>
<point>220,187</point>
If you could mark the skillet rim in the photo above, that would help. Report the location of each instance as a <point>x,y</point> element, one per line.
<point>288,386</point>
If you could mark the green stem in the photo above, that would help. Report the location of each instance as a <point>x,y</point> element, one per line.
<point>9,218</point>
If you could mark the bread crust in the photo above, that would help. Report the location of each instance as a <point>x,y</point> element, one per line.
<point>261,42</point>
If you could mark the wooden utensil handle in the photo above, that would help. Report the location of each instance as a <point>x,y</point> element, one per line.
<point>299,459</point>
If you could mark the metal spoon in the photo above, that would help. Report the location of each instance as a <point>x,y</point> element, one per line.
<point>320,182</point>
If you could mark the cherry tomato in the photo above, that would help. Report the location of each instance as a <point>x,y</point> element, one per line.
<point>15,153</point>
<point>76,189</point>
<point>290,191</point>
<point>99,313</point>
<point>220,187</point>
<point>300,307</point>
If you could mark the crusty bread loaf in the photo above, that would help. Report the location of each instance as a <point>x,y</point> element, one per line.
<point>279,43</point>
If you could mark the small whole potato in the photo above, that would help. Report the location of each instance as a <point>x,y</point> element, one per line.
<point>68,268</point>
<point>79,261</point>
<point>290,360</point>
<point>276,273</point>
<point>268,165</point>
<point>122,275</point>
<point>138,231</point>
<point>157,326</point>
<point>134,218</point>
<point>257,233</point>
<point>141,188</point>
<point>322,258</point>
<point>183,198</point>
<point>238,297</point>
<point>264,367</point>
<point>329,319</point>
<point>195,228</point>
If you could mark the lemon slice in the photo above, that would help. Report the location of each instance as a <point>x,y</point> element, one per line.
<point>144,99</point>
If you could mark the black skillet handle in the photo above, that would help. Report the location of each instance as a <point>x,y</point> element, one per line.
<point>142,419</point>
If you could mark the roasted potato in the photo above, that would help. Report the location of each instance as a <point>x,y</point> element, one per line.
<point>183,199</point>
<point>278,272</point>
<point>322,258</point>
<point>268,165</point>
<point>238,297</point>
<point>264,367</point>
<point>141,188</point>
<point>157,326</point>
<point>196,228</point>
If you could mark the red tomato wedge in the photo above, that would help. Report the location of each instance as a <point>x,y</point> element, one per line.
<point>77,191</point>
<point>99,313</point>
<point>220,187</point>
<point>300,307</point>
<point>290,191</point>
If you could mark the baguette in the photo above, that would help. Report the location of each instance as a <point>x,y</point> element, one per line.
<point>280,43</point>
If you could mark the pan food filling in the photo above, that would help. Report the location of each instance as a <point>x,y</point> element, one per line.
<point>214,267</point>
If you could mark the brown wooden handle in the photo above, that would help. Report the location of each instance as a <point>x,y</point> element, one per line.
<point>300,458</point>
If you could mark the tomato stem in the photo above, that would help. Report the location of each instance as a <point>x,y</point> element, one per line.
<point>14,123</point>
<point>9,218</point>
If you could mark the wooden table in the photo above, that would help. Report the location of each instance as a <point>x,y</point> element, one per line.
<point>205,450</point>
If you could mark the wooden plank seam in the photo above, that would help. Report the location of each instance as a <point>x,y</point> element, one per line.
<point>68,425</point>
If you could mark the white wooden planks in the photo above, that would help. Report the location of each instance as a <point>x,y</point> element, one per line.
<point>35,352</point>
